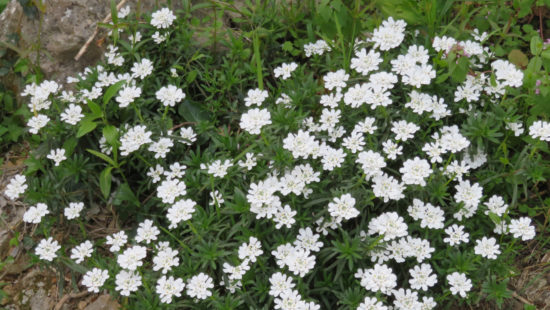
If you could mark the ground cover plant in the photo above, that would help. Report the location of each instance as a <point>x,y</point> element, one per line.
<point>365,164</point>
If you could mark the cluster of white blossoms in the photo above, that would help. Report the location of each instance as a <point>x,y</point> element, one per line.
<point>380,149</point>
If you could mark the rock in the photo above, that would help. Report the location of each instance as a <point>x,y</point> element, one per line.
<point>103,302</point>
<point>66,26</point>
<point>40,300</point>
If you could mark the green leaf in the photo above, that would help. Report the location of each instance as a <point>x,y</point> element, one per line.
<point>95,108</point>
<point>111,134</point>
<point>70,145</point>
<point>105,182</point>
<point>191,76</point>
<point>518,58</point>
<point>125,193</point>
<point>85,127</point>
<point>546,54</point>
<point>102,156</point>
<point>536,45</point>
<point>460,70</point>
<point>192,112</point>
<point>33,165</point>
<point>112,90</point>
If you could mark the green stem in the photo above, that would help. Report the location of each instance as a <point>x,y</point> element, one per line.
<point>257,59</point>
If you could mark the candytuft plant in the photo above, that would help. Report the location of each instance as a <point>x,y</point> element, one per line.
<point>367,169</point>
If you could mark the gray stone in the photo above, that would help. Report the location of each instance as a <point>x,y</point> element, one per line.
<point>103,302</point>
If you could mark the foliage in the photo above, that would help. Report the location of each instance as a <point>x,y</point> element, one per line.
<point>99,169</point>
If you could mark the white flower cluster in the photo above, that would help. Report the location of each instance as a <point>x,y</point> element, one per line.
<point>325,143</point>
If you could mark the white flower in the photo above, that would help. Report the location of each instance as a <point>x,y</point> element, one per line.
<point>522,228</point>
<point>167,288</point>
<point>422,277</point>
<point>280,283</point>
<point>117,241</point>
<point>317,48</point>
<point>343,207</point>
<point>487,248</point>
<point>456,235</point>
<point>199,286</point>
<point>94,279</point>
<point>379,278</point>
<point>171,189</point>
<point>147,232</point>
<point>188,134</point>
<point>155,173</point>
<point>176,171</point>
<point>123,12</point>
<point>133,139</point>
<point>285,70</point>
<point>254,119</point>
<point>284,100</point>
<point>132,257</point>
<point>404,130</point>
<point>414,171</point>
<point>496,205</point>
<point>127,282</point>
<point>72,115</point>
<point>470,195</point>
<point>249,163</point>
<point>387,187</point>
<point>250,250</point>
<point>180,211</point>
<point>392,149</point>
<point>217,168</point>
<point>35,214</point>
<point>162,18</point>
<point>37,122</point>
<point>46,249</point>
<point>16,187</point>
<point>159,38</point>
<point>290,299</point>
<point>370,303</point>
<point>389,35</point>
<point>255,96</point>
<point>73,210</point>
<point>540,130</point>
<point>507,73</point>
<point>284,217</point>
<point>336,79</point>
<point>300,262</point>
<point>170,95</point>
<point>365,63</point>
<point>161,148</point>
<point>57,155</point>
<point>406,300</point>
<point>459,283</point>
<point>443,44</point>
<point>142,69</point>
<point>127,95</point>
<point>388,224</point>
<point>307,240</point>
<point>217,199</point>
<point>516,127</point>
<point>165,260</point>
<point>81,251</point>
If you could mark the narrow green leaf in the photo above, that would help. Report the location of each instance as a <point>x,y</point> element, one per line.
<point>536,45</point>
<point>105,182</point>
<point>111,134</point>
<point>85,127</point>
<point>95,108</point>
<point>112,90</point>
<point>102,156</point>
